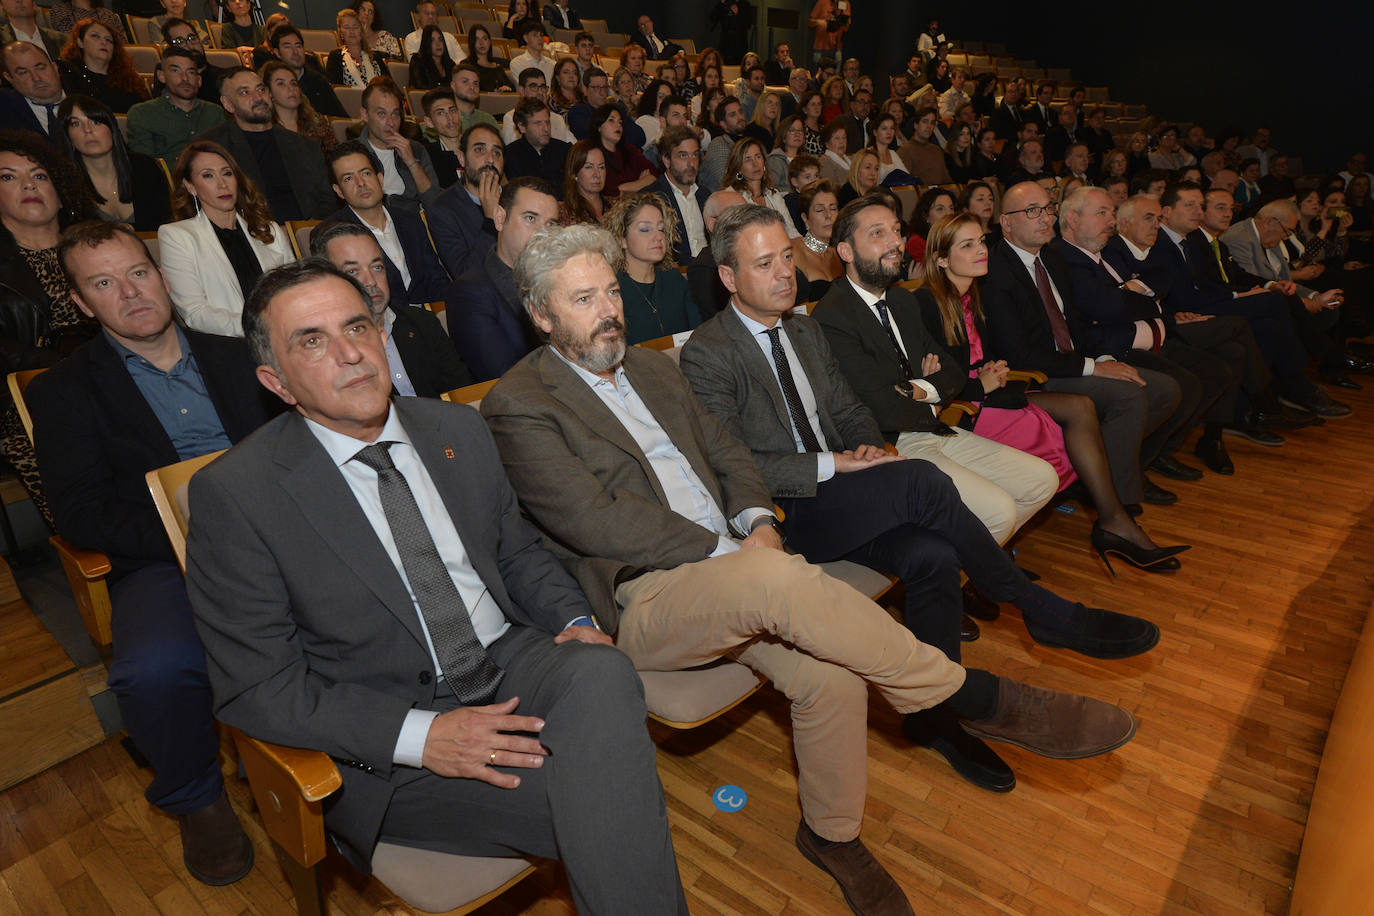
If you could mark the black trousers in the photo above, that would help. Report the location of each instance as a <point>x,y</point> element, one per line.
<point>1271,320</point>
<point>1230,338</point>
<point>905,518</point>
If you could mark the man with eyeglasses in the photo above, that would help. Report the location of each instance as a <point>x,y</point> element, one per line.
<point>181,34</point>
<point>534,85</point>
<point>163,126</point>
<point>1028,299</point>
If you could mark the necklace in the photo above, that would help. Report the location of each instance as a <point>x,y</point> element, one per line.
<point>648,299</point>
<point>814,244</point>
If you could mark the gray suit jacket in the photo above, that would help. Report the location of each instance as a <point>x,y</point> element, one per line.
<point>310,635</point>
<point>1247,251</point>
<point>584,480</point>
<point>732,377</point>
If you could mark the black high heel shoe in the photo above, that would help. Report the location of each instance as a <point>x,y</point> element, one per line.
<point>1155,559</point>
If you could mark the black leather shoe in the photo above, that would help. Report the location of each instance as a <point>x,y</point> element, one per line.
<point>939,730</point>
<point>968,629</point>
<point>1319,403</point>
<point>1285,418</point>
<point>978,605</point>
<point>1158,496</point>
<point>1095,633</point>
<point>1175,470</point>
<point>1341,380</point>
<point>1213,454</point>
<point>1352,363</point>
<point>1252,432</point>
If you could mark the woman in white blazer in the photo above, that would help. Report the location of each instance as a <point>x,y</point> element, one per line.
<point>222,242</point>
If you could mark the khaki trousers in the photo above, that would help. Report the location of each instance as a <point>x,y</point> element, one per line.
<point>1001,485</point>
<point>817,639</point>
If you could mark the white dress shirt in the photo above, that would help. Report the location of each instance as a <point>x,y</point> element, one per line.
<point>411,45</point>
<point>488,621</point>
<point>930,396</point>
<point>692,221</point>
<point>687,495</point>
<point>524,60</point>
<point>825,459</point>
<point>1028,260</point>
<point>558,128</point>
<point>391,169</point>
<point>390,243</point>
<point>399,377</point>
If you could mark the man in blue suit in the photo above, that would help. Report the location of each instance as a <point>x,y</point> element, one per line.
<point>461,218</point>
<point>679,149</point>
<point>37,89</point>
<point>490,326</point>
<point>412,267</point>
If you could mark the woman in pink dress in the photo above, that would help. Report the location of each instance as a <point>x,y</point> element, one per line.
<point>1058,427</point>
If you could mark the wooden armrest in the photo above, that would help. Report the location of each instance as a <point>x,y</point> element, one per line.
<point>1027,375</point>
<point>955,411</point>
<point>288,785</point>
<point>92,563</point>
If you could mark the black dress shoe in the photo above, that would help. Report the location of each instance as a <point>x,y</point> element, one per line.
<point>1252,432</point>
<point>938,729</point>
<point>968,629</point>
<point>1319,402</point>
<point>1095,633</point>
<point>978,605</point>
<point>1213,454</point>
<point>1106,542</point>
<point>1341,380</point>
<point>1158,496</point>
<point>1352,363</point>
<point>1175,470</point>
<point>1285,418</point>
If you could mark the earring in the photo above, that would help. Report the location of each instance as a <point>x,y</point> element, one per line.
<point>739,176</point>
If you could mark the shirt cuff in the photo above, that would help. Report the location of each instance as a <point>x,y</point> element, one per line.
<point>1144,336</point>
<point>825,466</point>
<point>583,621</point>
<point>747,517</point>
<point>410,743</point>
<point>932,396</point>
<point>1087,366</point>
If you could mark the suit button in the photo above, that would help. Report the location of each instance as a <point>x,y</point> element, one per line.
<point>426,677</point>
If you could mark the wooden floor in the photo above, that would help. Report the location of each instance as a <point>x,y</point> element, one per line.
<point>1202,813</point>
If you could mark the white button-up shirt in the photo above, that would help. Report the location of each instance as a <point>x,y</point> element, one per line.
<point>692,222</point>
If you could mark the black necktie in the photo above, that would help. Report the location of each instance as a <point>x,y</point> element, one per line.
<point>907,373</point>
<point>52,122</point>
<point>790,393</point>
<point>468,670</point>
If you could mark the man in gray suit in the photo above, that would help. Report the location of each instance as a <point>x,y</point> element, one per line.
<point>667,523</point>
<point>774,384</point>
<point>365,585</point>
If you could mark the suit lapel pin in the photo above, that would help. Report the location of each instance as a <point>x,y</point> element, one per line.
<point>448,451</point>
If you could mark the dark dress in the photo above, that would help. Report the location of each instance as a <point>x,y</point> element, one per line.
<point>152,198</point>
<point>625,164</point>
<point>657,309</point>
<point>494,78</point>
<point>424,73</point>
<point>78,80</point>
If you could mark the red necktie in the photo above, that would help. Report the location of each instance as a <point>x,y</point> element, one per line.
<point>1063,342</point>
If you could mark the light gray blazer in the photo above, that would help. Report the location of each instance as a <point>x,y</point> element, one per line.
<point>1243,241</point>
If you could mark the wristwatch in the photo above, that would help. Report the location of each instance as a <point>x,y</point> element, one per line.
<point>771,521</point>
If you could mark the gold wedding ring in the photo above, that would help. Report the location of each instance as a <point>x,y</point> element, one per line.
<point>491,761</point>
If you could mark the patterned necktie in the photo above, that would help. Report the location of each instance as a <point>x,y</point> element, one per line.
<point>1063,341</point>
<point>468,670</point>
<point>790,393</point>
<point>907,373</point>
<point>1216,252</point>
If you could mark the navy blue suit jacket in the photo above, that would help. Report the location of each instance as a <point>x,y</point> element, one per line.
<point>1107,312</point>
<point>1018,330</point>
<point>661,187</point>
<point>492,333</point>
<point>15,112</point>
<point>1190,288</point>
<point>462,233</point>
<point>429,281</point>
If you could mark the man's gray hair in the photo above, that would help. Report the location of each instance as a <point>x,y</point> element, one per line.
<point>725,237</point>
<point>548,250</point>
<point>1077,201</point>
<point>1279,209</point>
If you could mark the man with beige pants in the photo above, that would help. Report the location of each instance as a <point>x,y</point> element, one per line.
<point>666,523</point>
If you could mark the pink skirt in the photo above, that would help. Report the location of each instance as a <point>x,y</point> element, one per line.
<point>1030,430</point>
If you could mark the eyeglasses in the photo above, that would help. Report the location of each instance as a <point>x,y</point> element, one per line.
<point>184,40</point>
<point>1034,212</point>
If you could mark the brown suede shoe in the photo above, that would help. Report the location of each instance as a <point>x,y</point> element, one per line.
<point>867,887</point>
<point>213,845</point>
<point>1064,726</point>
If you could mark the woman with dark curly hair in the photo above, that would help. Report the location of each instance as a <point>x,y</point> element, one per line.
<point>375,34</point>
<point>94,63</point>
<point>223,241</point>
<point>627,168</point>
<point>127,186</point>
<point>40,195</point>
<point>655,296</point>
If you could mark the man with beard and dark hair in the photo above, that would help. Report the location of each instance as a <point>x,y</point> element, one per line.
<point>729,117</point>
<point>163,126</point>
<point>181,34</point>
<point>667,523</point>
<point>902,374</point>
<point>460,219</point>
<point>679,149</point>
<point>288,168</point>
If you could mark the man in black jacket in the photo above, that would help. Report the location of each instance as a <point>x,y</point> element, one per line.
<point>144,394</point>
<point>419,353</point>
<point>288,45</point>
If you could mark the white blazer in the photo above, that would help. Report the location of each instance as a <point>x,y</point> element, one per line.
<point>205,288</point>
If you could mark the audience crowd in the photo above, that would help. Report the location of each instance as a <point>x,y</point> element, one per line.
<point>852,271</point>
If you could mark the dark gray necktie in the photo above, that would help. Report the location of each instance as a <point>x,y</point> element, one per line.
<point>469,671</point>
<point>907,371</point>
<point>790,393</point>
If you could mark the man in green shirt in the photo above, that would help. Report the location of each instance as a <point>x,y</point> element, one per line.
<point>163,126</point>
